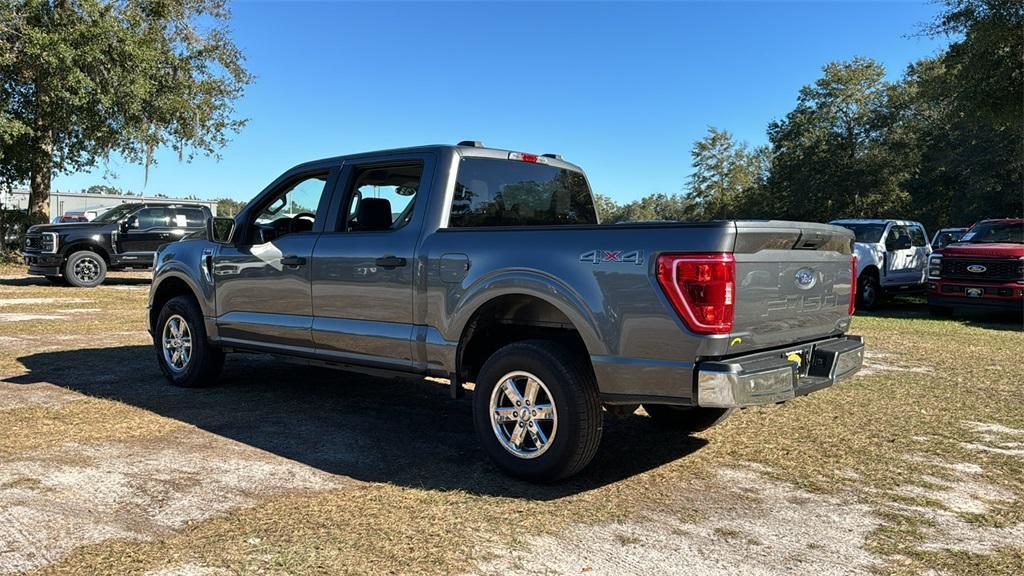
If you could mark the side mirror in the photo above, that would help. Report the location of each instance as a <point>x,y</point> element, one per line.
<point>220,230</point>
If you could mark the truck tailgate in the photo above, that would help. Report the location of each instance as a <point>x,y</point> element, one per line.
<point>793,283</point>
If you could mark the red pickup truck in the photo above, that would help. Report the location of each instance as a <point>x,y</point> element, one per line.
<point>983,271</point>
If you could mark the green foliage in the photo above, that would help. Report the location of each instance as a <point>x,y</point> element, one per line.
<point>228,208</point>
<point>83,79</point>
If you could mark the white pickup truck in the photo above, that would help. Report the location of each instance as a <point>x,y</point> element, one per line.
<point>892,256</point>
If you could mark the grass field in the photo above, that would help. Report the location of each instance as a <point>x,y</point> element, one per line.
<point>915,466</point>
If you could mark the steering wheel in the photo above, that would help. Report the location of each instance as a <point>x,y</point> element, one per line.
<point>308,216</point>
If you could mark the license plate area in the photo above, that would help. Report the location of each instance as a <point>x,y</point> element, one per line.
<point>972,292</point>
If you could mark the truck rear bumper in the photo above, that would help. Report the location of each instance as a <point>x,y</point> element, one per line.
<point>750,380</point>
<point>766,380</point>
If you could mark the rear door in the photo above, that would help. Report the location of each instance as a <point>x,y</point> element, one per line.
<point>922,250</point>
<point>365,262</point>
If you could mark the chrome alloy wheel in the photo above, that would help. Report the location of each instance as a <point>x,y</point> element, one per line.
<point>177,339</point>
<point>523,414</point>
<point>86,269</point>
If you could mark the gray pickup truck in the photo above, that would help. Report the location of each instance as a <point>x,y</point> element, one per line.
<point>490,267</point>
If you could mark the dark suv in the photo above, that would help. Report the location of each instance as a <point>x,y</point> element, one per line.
<point>124,237</point>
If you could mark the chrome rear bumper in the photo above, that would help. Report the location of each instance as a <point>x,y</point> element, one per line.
<point>769,379</point>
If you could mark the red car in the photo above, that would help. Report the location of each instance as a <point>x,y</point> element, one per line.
<point>983,271</point>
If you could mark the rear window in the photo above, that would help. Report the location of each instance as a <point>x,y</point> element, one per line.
<point>496,192</point>
<point>866,233</point>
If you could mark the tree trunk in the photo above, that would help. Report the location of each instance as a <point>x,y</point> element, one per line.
<point>42,173</point>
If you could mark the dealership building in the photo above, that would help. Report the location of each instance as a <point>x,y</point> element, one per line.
<point>64,202</point>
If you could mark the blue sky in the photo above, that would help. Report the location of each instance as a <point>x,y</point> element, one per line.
<point>622,89</point>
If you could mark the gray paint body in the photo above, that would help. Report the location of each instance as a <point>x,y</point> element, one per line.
<point>341,307</point>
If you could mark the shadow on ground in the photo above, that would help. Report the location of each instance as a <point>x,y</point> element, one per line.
<point>41,281</point>
<point>400,431</point>
<point>915,307</point>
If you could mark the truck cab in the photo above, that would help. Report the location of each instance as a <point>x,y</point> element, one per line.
<point>983,271</point>
<point>892,257</point>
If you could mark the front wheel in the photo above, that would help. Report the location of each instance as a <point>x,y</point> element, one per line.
<point>868,292</point>
<point>185,356</point>
<point>688,419</point>
<point>85,269</point>
<point>537,411</point>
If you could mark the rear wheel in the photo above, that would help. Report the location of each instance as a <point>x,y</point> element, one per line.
<point>537,411</point>
<point>868,292</point>
<point>940,311</point>
<point>185,356</point>
<point>85,269</point>
<point>686,418</point>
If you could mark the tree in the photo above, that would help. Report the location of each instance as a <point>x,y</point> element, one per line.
<point>229,208</point>
<point>83,79</point>
<point>728,178</point>
<point>834,154</point>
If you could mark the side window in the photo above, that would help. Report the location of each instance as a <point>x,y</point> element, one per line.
<point>917,236</point>
<point>895,233</point>
<point>154,217</point>
<point>183,217</point>
<point>382,197</point>
<point>291,210</point>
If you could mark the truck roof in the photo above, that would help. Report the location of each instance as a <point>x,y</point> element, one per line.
<point>465,148</point>
<point>874,221</point>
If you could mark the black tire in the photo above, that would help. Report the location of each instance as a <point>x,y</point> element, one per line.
<point>688,419</point>
<point>869,293</point>
<point>204,362</point>
<point>940,311</point>
<point>573,394</point>
<point>57,280</point>
<point>85,269</point>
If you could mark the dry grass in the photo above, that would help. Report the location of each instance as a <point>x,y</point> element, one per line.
<point>866,440</point>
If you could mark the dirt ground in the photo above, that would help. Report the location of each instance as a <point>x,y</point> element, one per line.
<point>915,466</point>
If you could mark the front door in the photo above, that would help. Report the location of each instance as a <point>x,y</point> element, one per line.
<point>900,256</point>
<point>145,230</point>
<point>262,281</point>
<point>364,268</point>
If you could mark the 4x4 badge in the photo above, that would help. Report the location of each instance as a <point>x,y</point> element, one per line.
<point>613,256</point>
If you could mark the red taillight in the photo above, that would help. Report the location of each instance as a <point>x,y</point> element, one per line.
<point>853,284</point>
<point>525,157</point>
<point>702,289</point>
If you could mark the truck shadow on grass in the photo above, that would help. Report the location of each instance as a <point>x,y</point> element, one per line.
<point>40,281</point>
<point>401,431</point>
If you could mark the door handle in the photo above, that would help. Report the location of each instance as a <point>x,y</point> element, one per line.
<point>390,262</point>
<point>293,261</point>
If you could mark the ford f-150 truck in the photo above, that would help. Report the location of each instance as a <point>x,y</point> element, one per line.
<point>490,267</point>
<point>983,271</point>
<point>124,237</point>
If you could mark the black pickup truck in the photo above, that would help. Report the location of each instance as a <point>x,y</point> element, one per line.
<point>124,237</point>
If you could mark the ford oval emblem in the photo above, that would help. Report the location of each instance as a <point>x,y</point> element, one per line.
<point>805,278</point>
<point>976,268</point>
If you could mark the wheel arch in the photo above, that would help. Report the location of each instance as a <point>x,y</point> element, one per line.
<point>167,287</point>
<point>91,246</point>
<point>517,312</point>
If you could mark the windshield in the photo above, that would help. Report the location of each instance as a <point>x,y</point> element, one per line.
<point>946,237</point>
<point>116,213</point>
<point>993,232</point>
<point>868,233</point>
